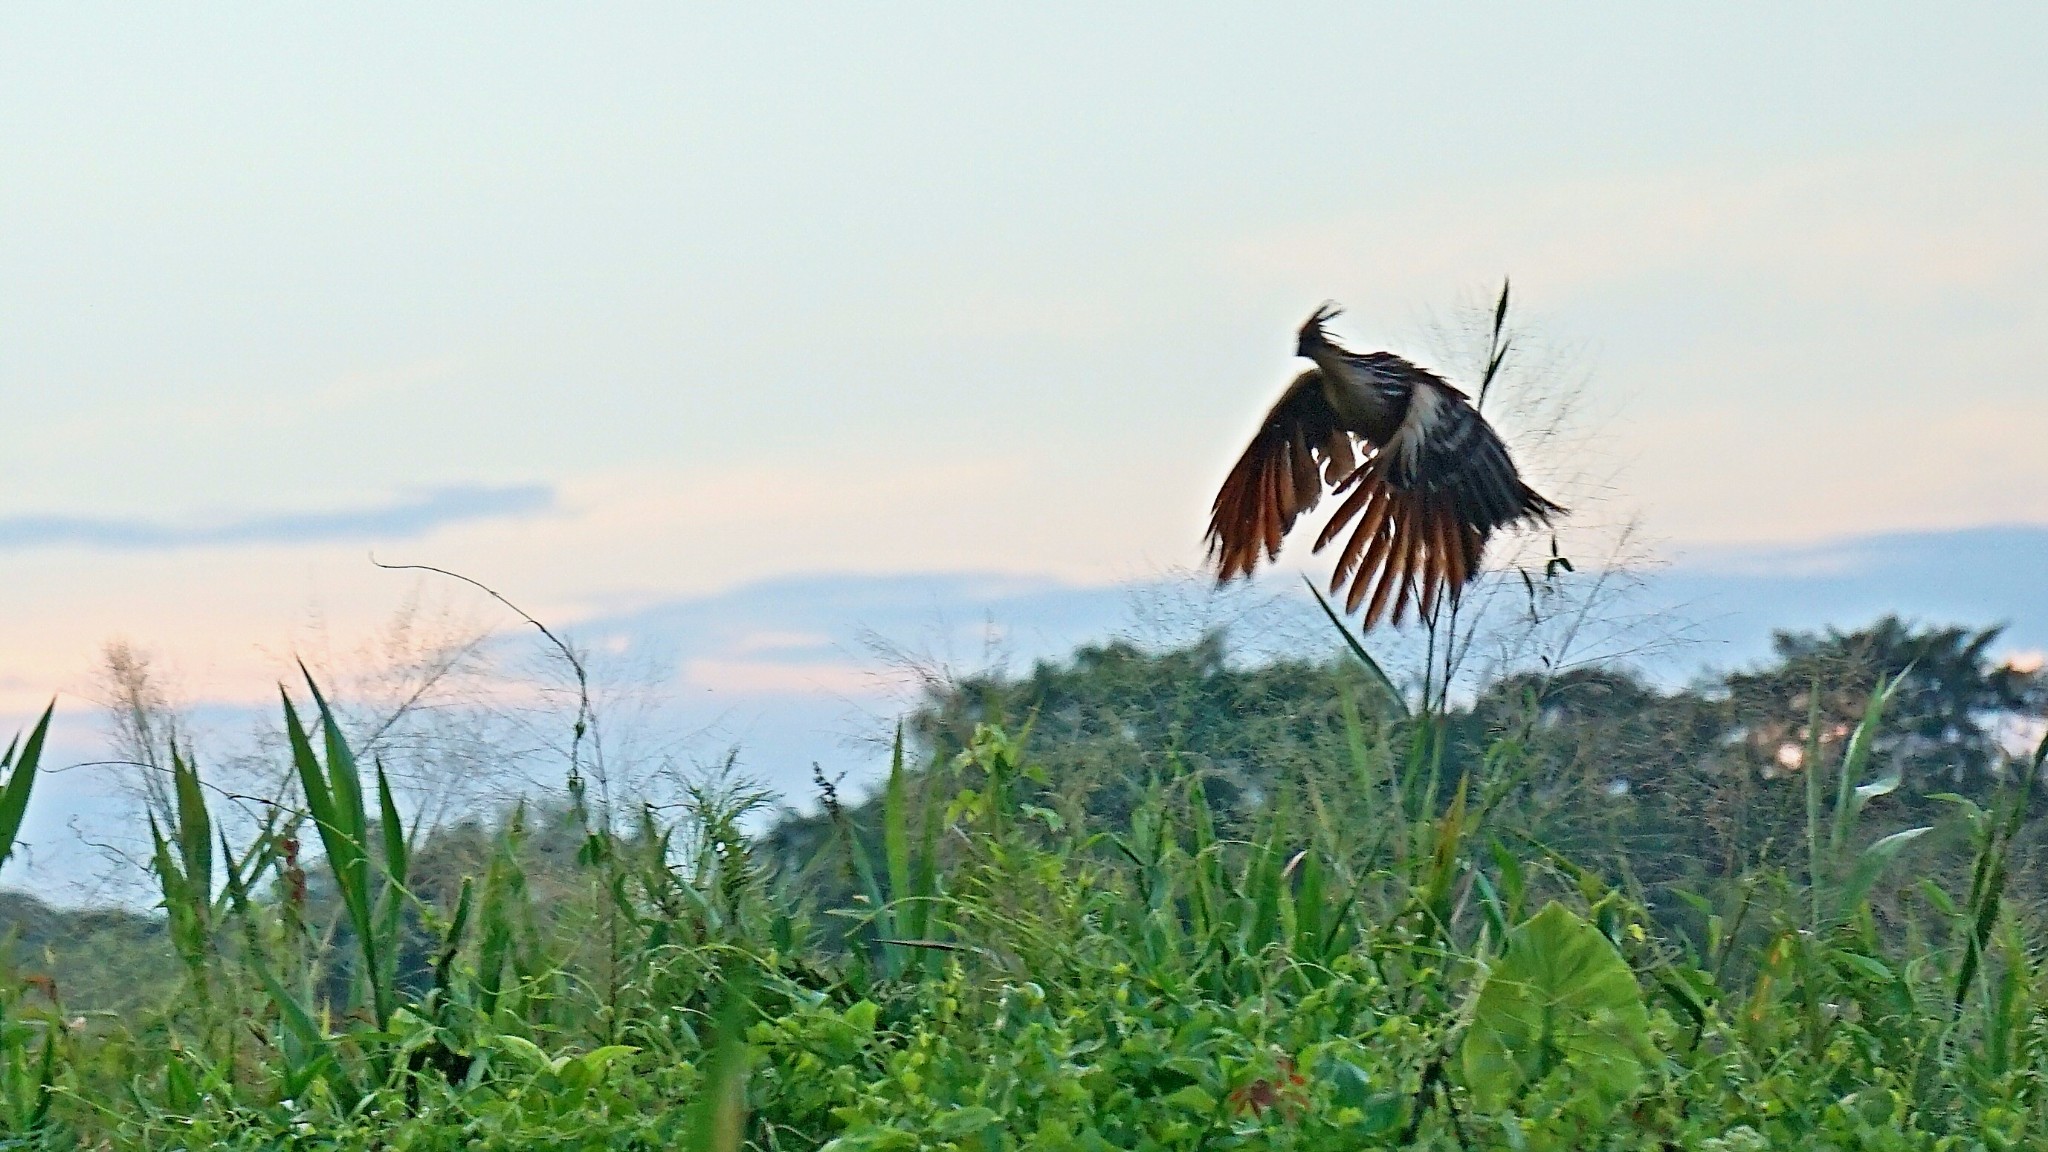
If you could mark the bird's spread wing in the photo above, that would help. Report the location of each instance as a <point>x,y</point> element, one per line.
<point>1297,449</point>
<point>1421,508</point>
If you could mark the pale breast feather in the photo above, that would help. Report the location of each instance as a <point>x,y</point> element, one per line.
<point>1448,447</point>
<point>1430,417</point>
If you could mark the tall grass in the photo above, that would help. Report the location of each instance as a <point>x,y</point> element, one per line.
<point>28,1069</point>
<point>1383,957</point>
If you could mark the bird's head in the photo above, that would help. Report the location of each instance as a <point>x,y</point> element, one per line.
<point>1312,335</point>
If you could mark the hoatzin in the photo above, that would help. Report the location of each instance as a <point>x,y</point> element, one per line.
<point>1425,480</point>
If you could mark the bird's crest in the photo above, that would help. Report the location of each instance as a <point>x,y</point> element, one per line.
<point>1312,333</point>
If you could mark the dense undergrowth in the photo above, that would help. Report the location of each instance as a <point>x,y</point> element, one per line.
<point>1397,945</point>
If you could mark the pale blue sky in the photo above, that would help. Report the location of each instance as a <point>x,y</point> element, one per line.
<point>768,290</point>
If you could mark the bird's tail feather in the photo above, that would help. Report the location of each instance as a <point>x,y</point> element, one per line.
<point>1407,548</point>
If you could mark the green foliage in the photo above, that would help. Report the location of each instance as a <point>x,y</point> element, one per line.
<point>28,1042</point>
<point>1942,685</point>
<point>1141,901</point>
<point>334,800</point>
<point>1561,1001</point>
<point>21,777</point>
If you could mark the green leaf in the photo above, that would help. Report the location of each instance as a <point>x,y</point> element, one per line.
<point>1889,847</point>
<point>451,941</point>
<point>395,853</point>
<point>1871,863</point>
<point>1885,786</point>
<point>1490,904</point>
<point>1350,1086</point>
<point>1942,901</point>
<point>1381,1113</point>
<point>14,795</point>
<point>874,1140</point>
<point>965,1122</point>
<point>1972,812</point>
<point>1868,967</point>
<point>195,827</point>
<point>597,1060</point>
<point>1357,647</point>
<point>46,1083</point>
<point>924,875</point>
<point>896,837</point>
<point>335,798</point>
<point>503,884</point>
<point>1850,797</point>
<point>1560,995</point>
<point>861,1017</point>
<point>1309,931</point>
<point>525,1051</point>
<point>309,1053</point>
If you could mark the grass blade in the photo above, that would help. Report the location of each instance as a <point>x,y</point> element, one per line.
<point>1850,796</point>
<point>22,778</point>
<point>1357,647</point>
<point>896,834</point>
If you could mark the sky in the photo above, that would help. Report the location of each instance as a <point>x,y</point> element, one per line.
<point>618,307</point>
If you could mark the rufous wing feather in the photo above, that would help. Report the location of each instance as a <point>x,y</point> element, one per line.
<point>1276,479</point>
<point>1407,548</point>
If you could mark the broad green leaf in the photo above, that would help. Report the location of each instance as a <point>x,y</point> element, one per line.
<point>965,1122</point>
<point>1351,1086</point>
<point>861,1017</point>
<point>1560,994</point>
<point>1868,967</point>
<point>46,1082</point>
<point>579,1073</point>
<point>924,876</point>
<point>451,941</point>
<point>1942,901</point>
<point>598,1059</point>
<point>525,1051</point>
<point>1971,810</point>
<point>1193,1098</point>
<point>881,922</point>
<point>335,798</point>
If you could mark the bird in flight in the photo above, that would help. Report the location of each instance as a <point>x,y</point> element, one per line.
<point>1425,480</point>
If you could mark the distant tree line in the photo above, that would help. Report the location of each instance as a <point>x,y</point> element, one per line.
<point>1673,789</point>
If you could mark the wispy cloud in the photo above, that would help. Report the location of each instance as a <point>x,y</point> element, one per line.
<point>405,517</point>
